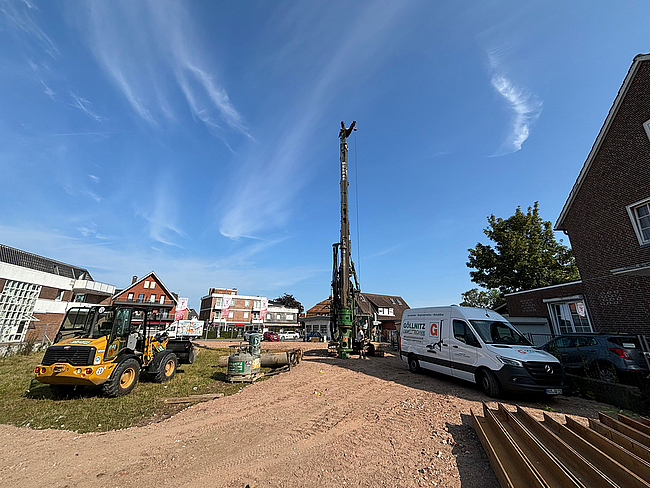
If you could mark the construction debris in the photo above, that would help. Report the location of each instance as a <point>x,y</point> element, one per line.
<point>527,453</point>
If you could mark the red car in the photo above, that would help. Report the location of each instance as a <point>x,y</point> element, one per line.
<point>269,335</point>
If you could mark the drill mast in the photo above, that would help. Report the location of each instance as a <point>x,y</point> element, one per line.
<point>343,291</point>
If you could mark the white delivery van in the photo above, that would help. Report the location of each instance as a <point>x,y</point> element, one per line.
<point>478,345</point>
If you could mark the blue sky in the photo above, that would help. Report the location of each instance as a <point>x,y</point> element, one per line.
<point>200,139</point>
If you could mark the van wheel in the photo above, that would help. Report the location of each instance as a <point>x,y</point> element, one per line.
<point>414,364</point>
<point>490,384</point>
<point>123,379</point>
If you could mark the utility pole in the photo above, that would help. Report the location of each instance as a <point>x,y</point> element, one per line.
<point>344,302</point>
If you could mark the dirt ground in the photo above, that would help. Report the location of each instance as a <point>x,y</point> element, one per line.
<point>328,422</point>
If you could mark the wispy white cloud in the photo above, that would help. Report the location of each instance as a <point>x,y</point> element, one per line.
<point>163,216</point>
<point>143,46</point>
<point>47,90</point>
<point>525,106</point>
<point>85,106</point>
<point>19,16</point>
<point>90,230</point>
<point>91,194</point>
<point>273,174</point>
<point>113,262</point>
<point>94,178</point>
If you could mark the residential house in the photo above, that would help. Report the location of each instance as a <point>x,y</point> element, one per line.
<point>607,220</point>
<point>150,293</point>
<point>383,312</point>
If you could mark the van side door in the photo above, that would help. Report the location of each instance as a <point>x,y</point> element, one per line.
<point>436,344</point>
<point>463,350</point>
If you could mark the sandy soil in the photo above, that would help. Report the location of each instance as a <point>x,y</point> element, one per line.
<point>328,422</point>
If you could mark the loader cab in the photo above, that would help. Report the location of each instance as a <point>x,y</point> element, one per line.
<point>123,327</point>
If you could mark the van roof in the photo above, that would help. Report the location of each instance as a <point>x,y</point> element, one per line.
<point>467,312</point>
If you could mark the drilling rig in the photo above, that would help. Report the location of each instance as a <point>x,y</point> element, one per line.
<point>344,292</point>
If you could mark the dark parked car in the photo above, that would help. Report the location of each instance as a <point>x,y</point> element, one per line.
<point>609,357</point>
<point>308,336</point>
<point>269,335</point>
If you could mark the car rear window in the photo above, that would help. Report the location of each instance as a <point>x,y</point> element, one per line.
<point>626,342</point>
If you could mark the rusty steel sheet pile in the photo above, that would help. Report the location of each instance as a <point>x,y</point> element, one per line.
<point>525,452</point>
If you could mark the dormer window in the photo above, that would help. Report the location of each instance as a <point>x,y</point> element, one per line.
<point>639,213</point>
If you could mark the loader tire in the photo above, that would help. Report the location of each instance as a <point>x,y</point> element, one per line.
<point>166,368</point>
<point>123,379</point>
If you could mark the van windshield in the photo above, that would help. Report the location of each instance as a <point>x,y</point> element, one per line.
<point>497,332</point>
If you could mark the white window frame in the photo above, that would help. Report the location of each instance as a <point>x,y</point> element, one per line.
<point>245,315</point>
<point>152,298</point>
<point>631,211</point>
<point>153,285</point>
<point>566,301</point>
<point>162,299</point>
<point>146,284</point>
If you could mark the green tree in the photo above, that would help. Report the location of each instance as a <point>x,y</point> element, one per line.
<point>481,299</point>
<point>525,254</point>
<point>289,301</point>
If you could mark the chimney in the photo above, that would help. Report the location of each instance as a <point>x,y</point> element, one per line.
<point>134,279</point>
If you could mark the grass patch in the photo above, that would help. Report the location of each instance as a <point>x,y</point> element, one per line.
<point>33,406</point>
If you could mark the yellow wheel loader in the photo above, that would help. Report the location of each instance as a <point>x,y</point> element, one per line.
<point>108,346</point>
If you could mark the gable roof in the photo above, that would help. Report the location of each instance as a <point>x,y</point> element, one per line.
<point>170,294</point>
<point>26,259</point>
<point>638,59</point>
<point>398,304</point>
<point>320,308</point>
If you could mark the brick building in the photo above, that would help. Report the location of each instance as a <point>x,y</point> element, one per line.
<point>607,220</point>
<point>36,292</point>
<point>151,293</point>
<point>224,309</point>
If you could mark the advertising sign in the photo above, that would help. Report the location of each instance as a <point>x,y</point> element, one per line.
<point>181,308</point>
<point>225,311</point>
<point>265,308</point>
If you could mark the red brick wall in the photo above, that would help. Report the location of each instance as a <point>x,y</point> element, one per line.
<point>531,304</point>
<point>139,288</point>
<point>36,329</point>
<point>48,293</point>
<point>598,225</point>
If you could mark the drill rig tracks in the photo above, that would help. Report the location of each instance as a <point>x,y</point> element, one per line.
<point>525,452</point>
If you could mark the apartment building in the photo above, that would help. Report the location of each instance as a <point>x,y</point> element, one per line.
<point>280,318</point>
<point>36,292</point>
<point>224,309</point>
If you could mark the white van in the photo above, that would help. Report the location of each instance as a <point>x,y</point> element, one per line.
<point>477,345</point>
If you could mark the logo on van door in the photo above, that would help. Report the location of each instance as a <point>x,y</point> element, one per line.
<point>413,331</point>
<point>434,329</point>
